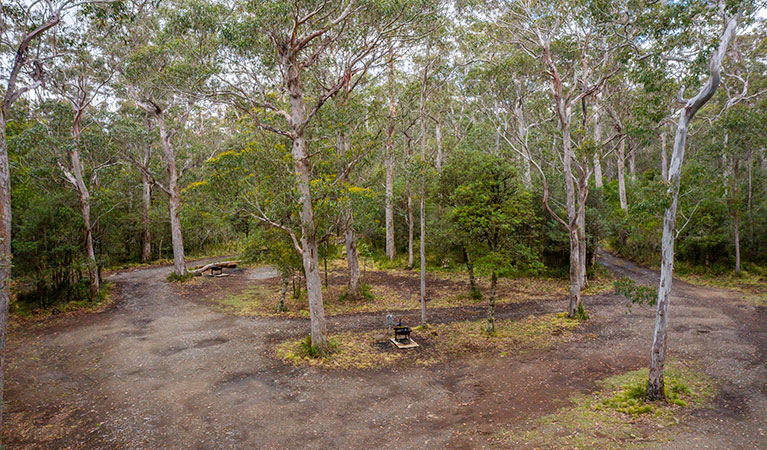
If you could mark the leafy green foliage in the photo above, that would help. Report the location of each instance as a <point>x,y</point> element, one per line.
<point>636,293</point>
<point>490,213</point>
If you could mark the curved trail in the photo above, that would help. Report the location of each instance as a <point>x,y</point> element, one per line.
<point>158,371</point>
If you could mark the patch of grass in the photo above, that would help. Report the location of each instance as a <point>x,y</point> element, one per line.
<point>366,294</point>
<point>580,313</point>
<point>618,416</point>
<point>600,280</point>
<point>176,278</point>
<point>751,281</point>
<point>307,350</point>
<point>440,342</point>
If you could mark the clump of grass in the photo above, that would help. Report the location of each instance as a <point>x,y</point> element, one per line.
<point>580,313</point>
<point>308,350</point>
<point>366,350</point>
<point>176,278</point>
<point>618,415</point>
<point>366,293</point>
<point>476,294</point>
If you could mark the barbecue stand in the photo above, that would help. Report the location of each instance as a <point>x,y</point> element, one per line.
<point>401,337</point>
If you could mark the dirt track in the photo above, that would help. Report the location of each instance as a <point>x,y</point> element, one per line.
<point>159,371</point>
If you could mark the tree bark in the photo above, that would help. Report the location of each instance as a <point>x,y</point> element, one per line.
<point>583,193</point>
<point>523,133</point>
<point>391,248</point>
<point>736,213</point>
<point>174,197</point>
<point>438,136</point>
<point>470,270</point>
<point>422,236</point>
<point>491,304</point>
<point>632,162</point>
<point>563,110</point>
<point>283,293</point>
<point>85,204</point>
<point>410,226</point>
<point>5,249</point>
<point>663,157</point>
<point>352,257</point>
<point>622,173</point>
<point>146,186</point>
<point>303,167</point>
<point>655,384</point>
<point>598,141</point>
<point>350,236</point>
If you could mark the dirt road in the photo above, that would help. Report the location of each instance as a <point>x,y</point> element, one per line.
<point>159,371</point>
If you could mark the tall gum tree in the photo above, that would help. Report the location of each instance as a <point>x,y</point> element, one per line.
<point>576,67</point>
<point>655,384</point>
<point>80,79</point>
<point>274,48</point>
<point>22,27</point>
<point>165,61</point>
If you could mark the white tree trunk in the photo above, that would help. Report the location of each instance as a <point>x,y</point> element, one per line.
<point>598,141</point>
<point>583,192</point>
<point>736,212</point>
<point>146,188</point>
<point>655,383</point>
<point>352,258</point>
<point>438,135</point>
<point>632,162</point>
<point>622,173</point>
<point>572,219</point>
<point>146,238</point>
<point>422,236</point>
<point>174,197</point>
<point>523,132</point>
<point>663,157</point>
<point>85,210</point>
<point>350,237</point>
<point>391,248</point>
<point>410,226</point>
<point>309,244</point>
<point>5,248</point>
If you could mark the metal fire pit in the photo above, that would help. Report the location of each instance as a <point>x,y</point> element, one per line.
<point>402,334</point>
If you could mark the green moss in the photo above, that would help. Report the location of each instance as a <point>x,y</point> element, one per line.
<point>176,278</point>
<point>617,415</point>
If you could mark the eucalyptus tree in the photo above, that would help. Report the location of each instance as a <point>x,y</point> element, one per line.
<point>562,37</point>
<point>655,388</point>
<point>164,57</point>
<point>23,26</point>
<point>288,60</point>
<point>391,245</point>
<point>79,78</point>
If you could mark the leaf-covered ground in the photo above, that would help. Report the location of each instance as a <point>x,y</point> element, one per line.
<point>437,343</point>
<point>389,290</point>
